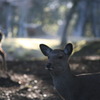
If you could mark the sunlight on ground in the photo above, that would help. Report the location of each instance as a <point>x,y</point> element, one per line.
<point>92,58</point>
<point>79,45</point>
<point>28,48</point>
<point>28,43</point>
<point>34,43</point>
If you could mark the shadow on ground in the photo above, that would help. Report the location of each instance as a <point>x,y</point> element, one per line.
<point>28,80</point>
<point>33,82</point>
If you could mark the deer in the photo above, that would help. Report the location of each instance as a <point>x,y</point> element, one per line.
<point>68,85</point>
<point>3,68</point>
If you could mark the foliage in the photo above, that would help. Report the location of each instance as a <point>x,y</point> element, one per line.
<point>88,49</point>
<point>17,13</point>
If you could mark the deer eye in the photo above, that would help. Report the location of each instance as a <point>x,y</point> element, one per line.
<point>60,57</point>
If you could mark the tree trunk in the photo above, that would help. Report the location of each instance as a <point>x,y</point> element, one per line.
<point>96,18</point>
<point>67,21</point>
<point>22,30</point>
<point>82,18</point>
<point>8,15</point>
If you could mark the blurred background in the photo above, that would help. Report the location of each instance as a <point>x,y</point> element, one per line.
<point>26,24</point>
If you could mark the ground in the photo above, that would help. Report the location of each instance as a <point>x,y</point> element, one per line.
<point>28,79</point>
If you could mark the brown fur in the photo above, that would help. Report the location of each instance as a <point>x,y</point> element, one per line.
<point>69,86</point>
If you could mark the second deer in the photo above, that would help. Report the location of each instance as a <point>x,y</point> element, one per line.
<point>69,86</point>
<point>3,67</point>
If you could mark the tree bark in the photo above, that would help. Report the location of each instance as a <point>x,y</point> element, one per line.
<point>96,18</point>
<point>67,21</point>
<point>23,14</point>
<point>83,6</point>
<point>8,18</point>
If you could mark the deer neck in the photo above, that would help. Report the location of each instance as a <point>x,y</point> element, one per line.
<point>65,83</point>
<point>66,74</point>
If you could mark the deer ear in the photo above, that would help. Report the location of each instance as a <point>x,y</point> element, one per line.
<point>45,49</point>
<point>68,49</point>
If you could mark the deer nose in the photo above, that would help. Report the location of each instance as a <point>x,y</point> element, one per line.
<point>49,67</point>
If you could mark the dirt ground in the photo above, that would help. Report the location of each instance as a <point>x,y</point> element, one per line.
<point>28,80</point>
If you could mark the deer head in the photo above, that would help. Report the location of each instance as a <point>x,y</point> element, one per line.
<point>57,59</point>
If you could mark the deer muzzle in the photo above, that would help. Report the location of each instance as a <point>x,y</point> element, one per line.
<point>49,67</point>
